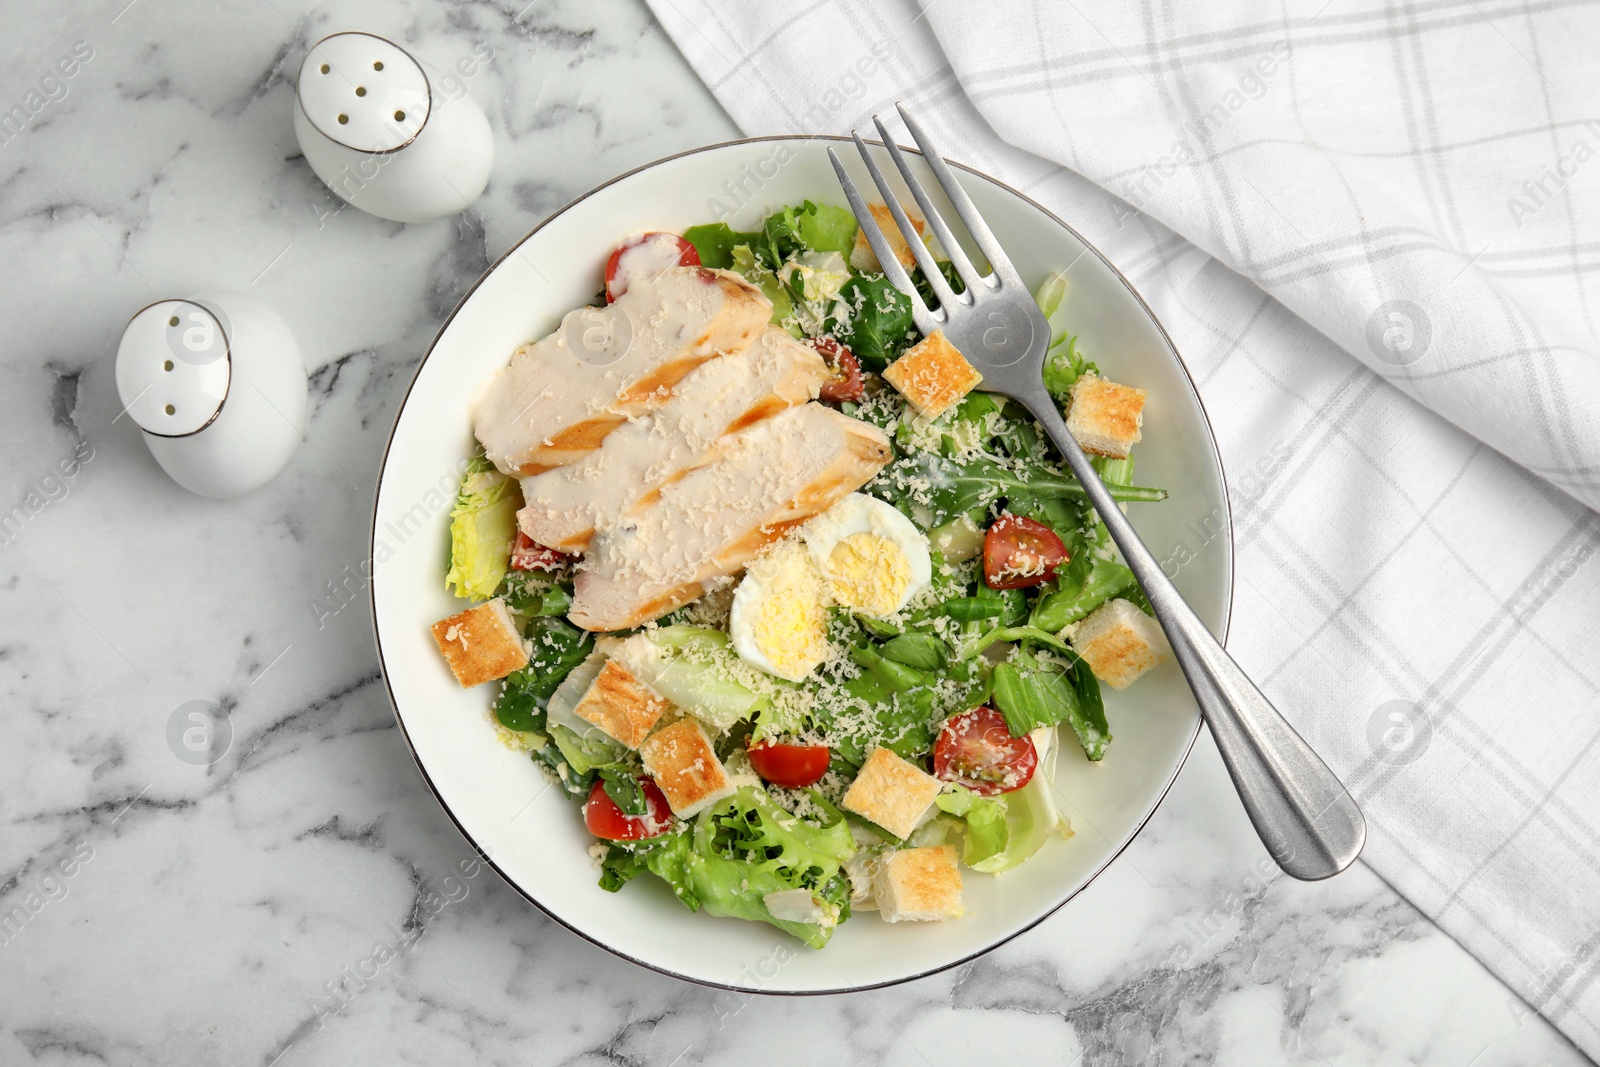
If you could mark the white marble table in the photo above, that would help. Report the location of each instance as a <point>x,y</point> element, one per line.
<point>157,912</point>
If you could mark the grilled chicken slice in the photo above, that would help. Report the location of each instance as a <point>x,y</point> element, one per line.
<point>763,482</point>
<point>566,505</point>
<point>558,398</point>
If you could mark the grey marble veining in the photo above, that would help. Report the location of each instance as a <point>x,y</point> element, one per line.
<point>302,898</point>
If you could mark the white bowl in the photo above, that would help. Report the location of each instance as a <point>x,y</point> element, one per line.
<point>531,832</point>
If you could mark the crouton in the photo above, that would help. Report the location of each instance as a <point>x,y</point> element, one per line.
<point>933,375</point>
<point>683,763</point>
<point>621,705</point>
<point>892,793</point>
<point>481,643</point>
<point>1120,642</point>
<point>864,259</point>
<point>918,885</point>
<point>1105,418</point>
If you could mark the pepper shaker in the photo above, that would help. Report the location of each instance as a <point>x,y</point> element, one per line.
<point>218,388</point>
<point>374,126</point>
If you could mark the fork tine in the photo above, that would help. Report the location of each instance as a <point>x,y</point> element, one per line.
<point>926,320</point>
<point>965,210</point>
<point>941,229</point>
<point>919,251</point>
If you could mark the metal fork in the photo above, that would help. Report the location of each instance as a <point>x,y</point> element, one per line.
<point>1307,820</point>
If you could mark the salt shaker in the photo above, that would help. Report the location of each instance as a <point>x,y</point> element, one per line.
<point>376,128</point>
<point>217,385</point>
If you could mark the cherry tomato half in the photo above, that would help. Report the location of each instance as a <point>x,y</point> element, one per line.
<point>604,819</point>
<point>530,555</point>
<point>790,766</point>
<point>976,749</point>
<point>845,383</point>
<point>1019,553</point>
<point>645,255</point>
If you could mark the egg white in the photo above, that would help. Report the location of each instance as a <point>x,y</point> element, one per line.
<point>784,579</point>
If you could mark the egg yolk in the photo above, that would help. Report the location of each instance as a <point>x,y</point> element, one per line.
<point>791,631</point>
<point>868,572</point>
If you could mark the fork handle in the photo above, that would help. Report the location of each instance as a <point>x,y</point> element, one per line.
<point>1302,812</point>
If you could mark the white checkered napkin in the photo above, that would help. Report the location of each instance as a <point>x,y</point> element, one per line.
<point>1424,608</point>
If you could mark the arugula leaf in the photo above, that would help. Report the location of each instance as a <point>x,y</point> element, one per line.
<point>1033,691</point>
<point>780,238</point>
<point>948,271</point>
<point>806,227</point>
<point>1081,586</point>
<point>922,652</point>
<point>1063,366</point>
<point>875,322</point>
<point>757,274</point>
<point>531,594</point>
<point>625,791</point>
<point>558,646</point>
<point>715,241</point>
<point>956,486</point>
<point>517,707</point>
<point>1007,606</point>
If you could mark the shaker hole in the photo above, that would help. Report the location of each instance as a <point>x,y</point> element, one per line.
<point>324,68</point>
<point>344,119</point>
<point>361,90</point>
<point>173,321</point>
<point>377,64</point>
<point>171,410</point>
<point>167,365</point>
<point>399,116</point>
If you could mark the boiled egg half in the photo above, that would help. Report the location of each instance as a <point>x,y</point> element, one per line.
<point>872,557</point>
<point>779,618</point>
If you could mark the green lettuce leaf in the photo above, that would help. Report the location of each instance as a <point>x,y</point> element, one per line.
<point>873,319</point>
<point>826,228</point>
<point>695,668</point>
<point>1063,364</point>
<point>1082,585</point>
<point>1004,830</point>
<point>735,853</point>
<point>1033,690</point>
<point>483,528</point>
<point>762,277</point>
<point>715,242</point>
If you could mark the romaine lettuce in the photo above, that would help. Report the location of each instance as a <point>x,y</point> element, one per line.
<point>695,668</point>
<point>483,527</point>
<point>1004,830</point>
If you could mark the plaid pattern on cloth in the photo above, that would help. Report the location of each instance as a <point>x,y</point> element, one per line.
<point>1414,186</point>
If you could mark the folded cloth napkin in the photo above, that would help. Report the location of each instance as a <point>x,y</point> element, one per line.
<point>1416,187</point>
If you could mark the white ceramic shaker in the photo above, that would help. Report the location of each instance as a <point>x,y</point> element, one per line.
<point>217,385</point>
<point>374,125</point>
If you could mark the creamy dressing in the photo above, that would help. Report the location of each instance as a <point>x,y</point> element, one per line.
<point>643,261</point>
